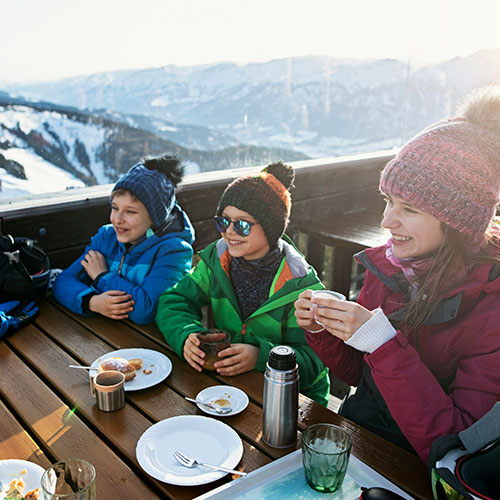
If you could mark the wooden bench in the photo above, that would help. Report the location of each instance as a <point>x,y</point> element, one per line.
<point>347,234</point>
<point>63,223</point>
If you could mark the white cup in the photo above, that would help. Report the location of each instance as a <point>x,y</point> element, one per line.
<point>325,294</point>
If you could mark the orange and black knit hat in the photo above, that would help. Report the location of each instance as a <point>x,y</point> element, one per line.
<point>265,196</point>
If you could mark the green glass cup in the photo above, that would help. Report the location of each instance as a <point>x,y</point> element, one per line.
<point>325,454</point>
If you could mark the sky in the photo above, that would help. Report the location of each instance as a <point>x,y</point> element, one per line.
<point>52,39</point>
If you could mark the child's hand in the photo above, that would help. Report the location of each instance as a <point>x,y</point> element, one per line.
<point>304,314</point>
<point>192,354</point>
<point>94,263</point>
<point>113,304</point>
<point>238,358</point>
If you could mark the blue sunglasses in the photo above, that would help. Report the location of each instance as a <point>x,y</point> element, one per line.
<point>241,227</point>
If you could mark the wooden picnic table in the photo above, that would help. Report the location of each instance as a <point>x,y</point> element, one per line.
<point>47,413</point>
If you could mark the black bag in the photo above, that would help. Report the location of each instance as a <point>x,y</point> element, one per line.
<point>24,277</point>
<point>467,466</point>
<point>24,269</point>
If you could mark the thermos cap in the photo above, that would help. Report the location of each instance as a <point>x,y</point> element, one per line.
<point>282,358</point>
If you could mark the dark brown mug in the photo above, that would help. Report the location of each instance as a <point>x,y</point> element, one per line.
<point>212,341</point>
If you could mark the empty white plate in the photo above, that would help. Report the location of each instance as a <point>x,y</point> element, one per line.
<point>202,438</point>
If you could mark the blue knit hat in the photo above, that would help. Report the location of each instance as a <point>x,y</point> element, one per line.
<point>153,182</point>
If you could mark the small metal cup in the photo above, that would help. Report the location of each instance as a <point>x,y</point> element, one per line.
<point>109,390</point>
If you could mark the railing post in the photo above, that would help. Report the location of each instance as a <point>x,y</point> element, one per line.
<point>316,255</point>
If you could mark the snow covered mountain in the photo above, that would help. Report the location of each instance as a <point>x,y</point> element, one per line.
<point>321,106</point>
<point>223,115</point>
<point>46,147</point>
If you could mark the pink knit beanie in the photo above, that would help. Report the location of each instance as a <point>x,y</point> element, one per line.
<point>452,169</point>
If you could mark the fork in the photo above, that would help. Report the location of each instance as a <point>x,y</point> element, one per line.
<point>191,462</point>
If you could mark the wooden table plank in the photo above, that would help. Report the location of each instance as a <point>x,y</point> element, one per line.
<point>157,403</point>
<point>122,428</point>
<point>184,379</point>
<point>59,429</point>
<point>15,442</point>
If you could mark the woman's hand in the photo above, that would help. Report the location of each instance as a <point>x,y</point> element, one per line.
<point>340,317</point>
<point>192,353</point>
<point>304,312</point>
<point>238,358</point>
<point>113,304</point>
<point>94,263</point>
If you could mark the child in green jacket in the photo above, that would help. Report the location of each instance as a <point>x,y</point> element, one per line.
<point>250,278</point>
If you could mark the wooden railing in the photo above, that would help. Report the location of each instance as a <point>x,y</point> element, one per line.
<point>327,190</point>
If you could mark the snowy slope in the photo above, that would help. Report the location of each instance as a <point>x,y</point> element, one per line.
<point>53,130</point>
<point>41,176</point>
<point>46,147</point>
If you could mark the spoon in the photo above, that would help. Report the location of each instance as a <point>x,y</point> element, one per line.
<point>82,367</point>
<point>220,405</point>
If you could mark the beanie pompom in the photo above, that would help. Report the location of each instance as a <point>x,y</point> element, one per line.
<point>451,169</point>
<point>283,172</point>
<point>169,166</point>
<point>482,108</point>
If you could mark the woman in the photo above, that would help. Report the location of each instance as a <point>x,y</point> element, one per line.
<point>422,344</point>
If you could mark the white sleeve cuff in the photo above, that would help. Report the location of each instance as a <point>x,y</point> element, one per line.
<point>372,334</point>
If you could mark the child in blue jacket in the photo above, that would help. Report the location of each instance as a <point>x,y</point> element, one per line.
<point>145,250</point>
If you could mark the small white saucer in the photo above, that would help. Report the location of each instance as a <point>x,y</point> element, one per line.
<point>237,398</point>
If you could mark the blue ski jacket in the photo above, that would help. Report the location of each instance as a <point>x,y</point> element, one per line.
<point>144,270</point>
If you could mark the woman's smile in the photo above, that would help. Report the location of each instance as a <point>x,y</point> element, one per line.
<point>414,233</point>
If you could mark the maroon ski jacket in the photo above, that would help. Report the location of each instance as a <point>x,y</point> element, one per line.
<point>437,380</point>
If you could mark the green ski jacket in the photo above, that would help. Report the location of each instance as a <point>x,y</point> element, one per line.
<point>273,323</point>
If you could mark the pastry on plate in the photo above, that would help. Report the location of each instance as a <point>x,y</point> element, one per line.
<point>16,491</point>
<point>119,365</point>
<point>136,363</point>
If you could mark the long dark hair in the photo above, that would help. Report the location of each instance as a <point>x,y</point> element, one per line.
<point>453,255</point>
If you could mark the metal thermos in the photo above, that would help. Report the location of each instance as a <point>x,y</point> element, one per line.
<point>281,398</point>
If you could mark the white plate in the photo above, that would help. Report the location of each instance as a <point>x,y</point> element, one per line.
<point>237,398</point>
<point>155,361</point>
<point>205,439</point>
<point>12,469</point>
